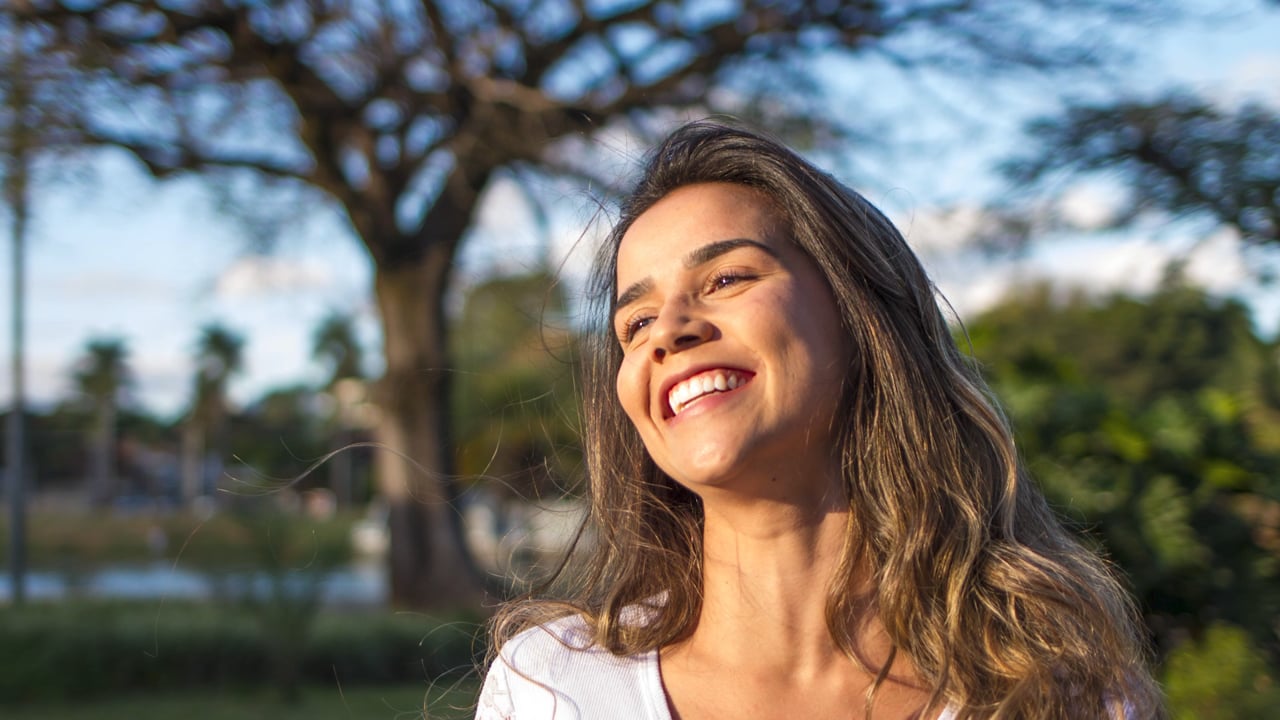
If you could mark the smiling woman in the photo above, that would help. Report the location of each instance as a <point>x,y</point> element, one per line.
<point>805,502</point>
<point>725,295</point>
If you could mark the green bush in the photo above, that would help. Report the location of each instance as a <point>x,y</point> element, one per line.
<point>76,650</point>
<point>389,648</point>
<point>1222,675</point>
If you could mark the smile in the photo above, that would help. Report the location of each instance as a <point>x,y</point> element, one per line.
<point>687,391</point>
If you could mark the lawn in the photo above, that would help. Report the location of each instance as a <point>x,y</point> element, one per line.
<point>400,702</point>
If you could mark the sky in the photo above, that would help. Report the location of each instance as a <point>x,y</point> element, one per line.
<point>120,256</point>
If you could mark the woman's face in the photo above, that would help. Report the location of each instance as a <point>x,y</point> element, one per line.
<point>733,354</point>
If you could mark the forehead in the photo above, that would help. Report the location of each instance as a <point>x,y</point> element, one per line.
<point>692,216</point>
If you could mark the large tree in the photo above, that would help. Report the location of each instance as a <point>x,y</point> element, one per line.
<point>1178,154</point>
<point>403,112</point>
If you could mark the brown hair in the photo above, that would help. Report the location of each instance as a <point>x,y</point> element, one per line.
<point>998,607</point>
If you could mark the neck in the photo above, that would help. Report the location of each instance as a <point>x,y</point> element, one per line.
<point>768,566</point>
<point>762,636</point>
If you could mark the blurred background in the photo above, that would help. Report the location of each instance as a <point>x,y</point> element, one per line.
<point>295,290</point>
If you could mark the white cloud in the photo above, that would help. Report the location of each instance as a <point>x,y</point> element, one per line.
<point>973,293</point>
<point>1105,264</point>
<point>1255,77</point>
<point>943,230</point>
<point>1095,264</point>
<point>1088,206</point>
<point>258,275</point>
<point>110,284</point>
<point>1217,263</point>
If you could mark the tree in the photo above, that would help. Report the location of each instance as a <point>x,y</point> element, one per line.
<point>17,171</point>
<point>401,113</point>
<point>334,343</point>
<point>1177,154</point>
<point>1220,675</point>
<point>515,402</point>
<point>219,355</point>
<point>277,436</point>
<point>29,130</point>
<point>1155,425</point>
<point>102,376</point>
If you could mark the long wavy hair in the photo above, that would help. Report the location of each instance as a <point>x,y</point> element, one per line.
<point>1002,612</point>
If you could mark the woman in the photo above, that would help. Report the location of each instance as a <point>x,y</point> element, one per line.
<point>805,503</point>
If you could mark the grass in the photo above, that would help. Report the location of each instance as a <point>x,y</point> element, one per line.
<point>443,701</point>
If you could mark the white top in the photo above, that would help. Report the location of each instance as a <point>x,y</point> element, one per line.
<point>554,672</point>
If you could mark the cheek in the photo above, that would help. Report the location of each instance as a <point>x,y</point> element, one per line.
<point>632,388</point>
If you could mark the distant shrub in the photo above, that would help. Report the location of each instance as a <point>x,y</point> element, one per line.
<point>72,650</point>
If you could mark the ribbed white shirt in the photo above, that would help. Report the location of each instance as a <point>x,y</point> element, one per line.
<point>554,672</point>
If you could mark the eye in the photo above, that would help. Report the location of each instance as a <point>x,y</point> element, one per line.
<point>727,278</point>
<point>634,325</point>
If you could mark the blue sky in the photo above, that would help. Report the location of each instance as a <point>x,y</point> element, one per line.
<point>150,263</point>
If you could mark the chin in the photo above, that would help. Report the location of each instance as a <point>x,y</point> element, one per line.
<point>715,471</point>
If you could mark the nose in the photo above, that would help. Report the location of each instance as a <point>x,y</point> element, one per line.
<point>679,329</point>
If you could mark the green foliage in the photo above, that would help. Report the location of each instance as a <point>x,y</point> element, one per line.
<point>1223,676</point>
<point>451,700</point>
<point>1154,425</point>
<point>277,439</point>
<point>57,452</point>
<point>219,355</point>
<point>515,402</point>
<point>82,650</point>
<point>103,373</point>
<point>293,565</point>
<point>334,343</point>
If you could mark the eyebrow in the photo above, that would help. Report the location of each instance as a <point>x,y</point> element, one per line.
<point>696,257</point>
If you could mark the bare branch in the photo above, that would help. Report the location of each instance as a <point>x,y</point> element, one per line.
<point>163,160</point>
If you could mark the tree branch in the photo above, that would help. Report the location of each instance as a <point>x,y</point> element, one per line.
<point>164,160</point>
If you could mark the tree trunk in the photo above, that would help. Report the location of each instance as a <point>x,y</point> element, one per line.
<point>430,565</point>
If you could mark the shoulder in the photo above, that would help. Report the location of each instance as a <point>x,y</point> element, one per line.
<point>556,671</point>
<point>544,648</point>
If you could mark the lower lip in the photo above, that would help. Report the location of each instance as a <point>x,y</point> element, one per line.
<point>707,403</point>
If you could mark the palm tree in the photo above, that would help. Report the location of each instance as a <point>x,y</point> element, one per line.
<point>102,376</point>
<point>334,343</point>
<point>219,355</point>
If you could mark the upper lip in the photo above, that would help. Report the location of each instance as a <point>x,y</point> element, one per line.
<point>664,390</point>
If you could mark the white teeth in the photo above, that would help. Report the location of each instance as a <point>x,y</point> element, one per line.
<point>693,388</point>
